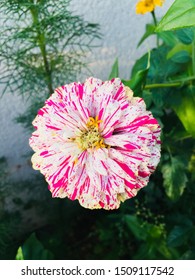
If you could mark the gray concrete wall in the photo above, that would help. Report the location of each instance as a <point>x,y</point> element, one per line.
<point>121,29</point>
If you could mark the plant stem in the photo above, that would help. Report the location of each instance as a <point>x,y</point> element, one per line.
<point>171,84</point>
<point>155,23</point>
<point>42,46</point>
<point>165,85</point>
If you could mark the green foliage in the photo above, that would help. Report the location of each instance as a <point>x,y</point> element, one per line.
<point>115,71</point>
<point>174,176</point>
<point>137,82</point>
<point>186,110</point>
<point>179,235</point>
<point>42,46</point>
<point>19,255</point>
<point>150,30</point>
<point>32,249</point>
<point>180,15</point>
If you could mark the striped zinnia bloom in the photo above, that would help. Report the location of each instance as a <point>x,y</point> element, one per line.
<point>95,142</point>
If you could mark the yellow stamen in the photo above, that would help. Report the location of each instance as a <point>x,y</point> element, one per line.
<point>90,138</point>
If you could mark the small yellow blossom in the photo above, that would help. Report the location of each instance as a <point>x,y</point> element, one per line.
<point>145,6</point>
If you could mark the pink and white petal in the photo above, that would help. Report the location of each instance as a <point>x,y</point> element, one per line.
<point>110,118</point>
<point>121,170</point>
<point>67,92</point>
<point>99,158</point>
<point>91,172</point>
<point>76,180</point>
<point>88,201</point>
<point>130,113</point>
<point>90,89</point>
<point>117,89</point>
<point>126,141</point>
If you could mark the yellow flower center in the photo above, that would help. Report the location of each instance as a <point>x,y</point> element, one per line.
<point>91,138</point>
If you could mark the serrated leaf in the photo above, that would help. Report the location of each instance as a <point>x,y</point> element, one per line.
<point>174,178</point>
<point>150,30</point>
<point>180,15</point>
<point>115,71</point>
<point>167,67</point>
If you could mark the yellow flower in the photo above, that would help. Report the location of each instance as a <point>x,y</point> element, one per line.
<point>145,6</point>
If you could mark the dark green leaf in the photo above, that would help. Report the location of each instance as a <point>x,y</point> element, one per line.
<point>178,48</point>
<point>161,68</point>
<point>140,64</point>
<point>157,97</point>
<point>147,96</point>
<point>115,71</point>
<point>179,15</point>
<point>181,57</point>
<point>137,82</point>
<point>157,112</point>
<point>185,35</point>
<point>32,249</point>
<point>135,225</point>
<point>174,177</point>
<point>178,236</point>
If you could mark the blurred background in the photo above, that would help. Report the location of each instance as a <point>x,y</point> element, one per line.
<point>70,41</point>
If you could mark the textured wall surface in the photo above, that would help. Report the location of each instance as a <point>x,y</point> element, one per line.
<point>121,29</point>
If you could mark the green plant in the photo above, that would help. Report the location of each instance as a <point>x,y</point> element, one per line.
<point>42,45</point>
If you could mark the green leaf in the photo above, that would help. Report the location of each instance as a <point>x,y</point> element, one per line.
<point>178,48</point>
<point>167,67</point>
<point>147,96</point>
<point>185,35</point>
<point>19,255</point>
<point>168,38</point>
<point>178,236</point>
<point>191,166</point>
<point>156,112</point>
<point>174,178</point>
<point>181,57</point>
<point>140,64</point>
<point>186,111</point>
<point>115,71</point>
<point>137,82</point>
<point>135,225</point>
<point>180,14</point>
<point>157,98</point>
<point>150,30</point>
<point>33,249</point>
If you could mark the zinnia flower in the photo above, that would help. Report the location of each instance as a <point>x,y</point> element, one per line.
<point>145,6</point>
<point>95,142</point>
